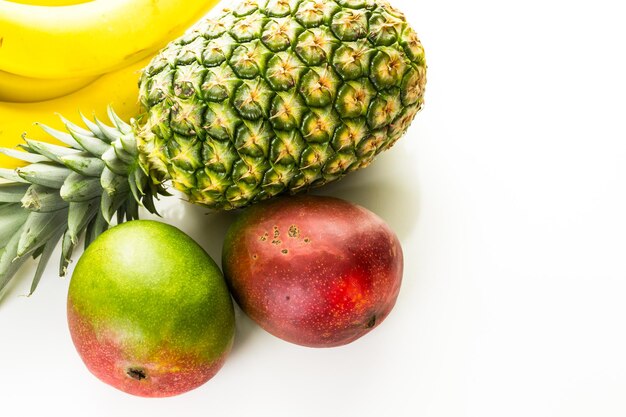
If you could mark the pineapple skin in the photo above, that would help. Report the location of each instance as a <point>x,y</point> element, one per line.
<point>277,97</point>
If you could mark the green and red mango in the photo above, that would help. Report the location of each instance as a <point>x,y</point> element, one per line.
<point>149,311</point>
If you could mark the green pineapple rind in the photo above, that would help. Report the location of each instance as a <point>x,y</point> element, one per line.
<point>278,97</point>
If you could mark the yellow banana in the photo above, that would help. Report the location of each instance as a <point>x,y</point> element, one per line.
<point>49,2</point>
<point>90,38</point>
<point>20,89</point>
<point>119,89</point>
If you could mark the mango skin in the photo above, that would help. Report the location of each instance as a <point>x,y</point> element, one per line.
<point>148,310</point>
<point>314,271</point>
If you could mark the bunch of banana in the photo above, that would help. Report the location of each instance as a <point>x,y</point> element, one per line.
<point>71,56</point>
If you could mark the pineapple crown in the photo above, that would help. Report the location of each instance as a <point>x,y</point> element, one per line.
<point>67,191</point>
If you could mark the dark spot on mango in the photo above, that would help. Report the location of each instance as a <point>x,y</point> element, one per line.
<point>255,256</point>
<point>287,298</point>
<point>294,231</point>
<point>285,251</point>
<point>276,232</point>
<point>276,242</point>
<point>136,373</point>
<point>372,322</point>
<point>307,240</point>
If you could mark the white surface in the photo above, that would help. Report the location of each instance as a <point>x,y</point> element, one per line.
<point>509,197</point>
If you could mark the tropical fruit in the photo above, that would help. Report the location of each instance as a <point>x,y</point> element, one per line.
<point>89,38</point>
<point>315,271</point>
<point>118,88</point>
<point>149,311</point>
<point>279,97</point>
<point>269,98</point>
<point>18,89</point>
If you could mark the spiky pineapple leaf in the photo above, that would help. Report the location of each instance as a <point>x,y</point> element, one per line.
<point>46,253</point>
<point>67,192</point>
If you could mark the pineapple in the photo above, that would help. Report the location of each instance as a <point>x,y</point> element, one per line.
<point>271,97</point>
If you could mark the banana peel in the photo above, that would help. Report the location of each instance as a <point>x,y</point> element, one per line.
<point>18,89</point>
<point>91,38</point>
<point>118,89</point>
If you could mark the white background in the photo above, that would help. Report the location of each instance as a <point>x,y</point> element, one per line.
<point>509,197</point>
